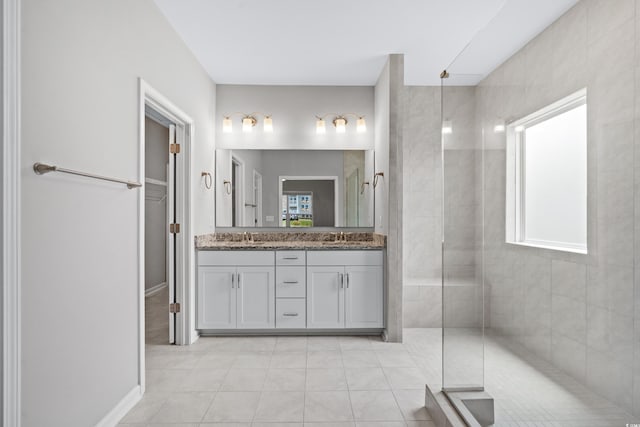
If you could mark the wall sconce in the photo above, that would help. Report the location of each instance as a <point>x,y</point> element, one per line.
<point>248,122</point>
<point>340,123</point>
<point>447,127</point>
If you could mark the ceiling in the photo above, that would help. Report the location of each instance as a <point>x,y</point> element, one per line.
<point>346,42</point>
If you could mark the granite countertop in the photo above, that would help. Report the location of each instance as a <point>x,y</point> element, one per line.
<point>289,240</point>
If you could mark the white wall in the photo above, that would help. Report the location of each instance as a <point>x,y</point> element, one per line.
<point>81,63</point>
<point>382,150</point>
<point>389,112</point>
<point>294,110</point>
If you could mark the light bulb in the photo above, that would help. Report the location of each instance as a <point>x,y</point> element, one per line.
<point>227,125</point>
<point>247,124</point>
<point>499,127</point>
<point>268,124</point>
<point>361,125</point>
<point>341,125</point>
<point>519,128</point>
<point>321,129</point>
<point>447,127</point>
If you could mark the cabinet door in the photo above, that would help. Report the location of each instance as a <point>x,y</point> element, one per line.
<point>256,297</point>
<point>216,298</point>
<point>363,297</point>
<point>325,297</point>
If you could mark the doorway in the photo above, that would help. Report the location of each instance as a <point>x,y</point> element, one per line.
<point>159,257</point>
<point>176,304</point>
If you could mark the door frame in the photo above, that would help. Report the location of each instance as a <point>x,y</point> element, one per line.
<point>185,294</point>
<point>257,198</point>
<point>238,182</point>
<point>10,232</point>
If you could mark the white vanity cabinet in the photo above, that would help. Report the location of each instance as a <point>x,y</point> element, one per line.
<point>236,290</point>
<point>290,290</point>
<point>344,289</point>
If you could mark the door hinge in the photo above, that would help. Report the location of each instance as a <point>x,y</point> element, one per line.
<point>174,308</point>
<point>174,228</point>
<point>174,148</point>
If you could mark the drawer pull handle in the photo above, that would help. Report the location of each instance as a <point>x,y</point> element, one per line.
<point>290,257</point>
<point>290,314</point>
<point>290,282</point>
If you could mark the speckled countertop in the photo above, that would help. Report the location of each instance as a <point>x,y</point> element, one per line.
<point>289,240</point>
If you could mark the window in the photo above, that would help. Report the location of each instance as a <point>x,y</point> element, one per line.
<point>547,177</point>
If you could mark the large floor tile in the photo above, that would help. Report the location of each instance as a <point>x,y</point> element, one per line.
<point>184,407</point>
<point>204,380</point>
<point>375,406</point>
<point>326,379</point>
<point>366,379</point>
<point>233,407</point>
<point>149,405</point>
<point>283,406</point>
<point>411,403</point>
<point>286,344</point>
<point>360,359</point>
<point>289,360</point>
<point>327,406</point>
<point>253,360</point>
<point>244,379</point>
<point>395,358</point>
<point>405,378</point>
<point>285,380</point>
<point>324,359</point>
<point>322,343</point>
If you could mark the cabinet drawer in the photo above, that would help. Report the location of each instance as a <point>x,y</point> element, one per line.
<point>344,257</point>
<point>226,258</point>
<point>291,282</point>
<point>291,313</point>
<point>290,258</point>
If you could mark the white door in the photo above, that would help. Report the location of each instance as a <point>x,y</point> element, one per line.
<point>363,297</point>
<point>217,297</point>
<point>256,300</point>
<point>325,297</point>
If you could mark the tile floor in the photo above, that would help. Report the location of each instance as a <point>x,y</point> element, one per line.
<point>343,382</point>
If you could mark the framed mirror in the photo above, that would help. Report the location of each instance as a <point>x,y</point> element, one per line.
<point>294,188</point>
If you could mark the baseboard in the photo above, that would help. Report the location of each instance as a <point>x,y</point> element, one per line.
<point>120,410</point>
<point>154,289</point>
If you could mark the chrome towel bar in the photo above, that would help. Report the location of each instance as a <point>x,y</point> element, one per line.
<point>42,168</point>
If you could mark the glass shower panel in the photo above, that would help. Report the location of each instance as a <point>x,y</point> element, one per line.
<point>462,238</point>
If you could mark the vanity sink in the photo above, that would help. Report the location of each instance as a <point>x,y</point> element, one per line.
<point>277,240</point>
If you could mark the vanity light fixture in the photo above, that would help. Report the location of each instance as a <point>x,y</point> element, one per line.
<point>447,127</point>
<point>248,122</point>
<point>340,123</point>
<point>361,125</point>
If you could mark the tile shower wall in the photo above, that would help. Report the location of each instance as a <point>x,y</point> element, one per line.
<point>422,210</point>
<point>581,312</point>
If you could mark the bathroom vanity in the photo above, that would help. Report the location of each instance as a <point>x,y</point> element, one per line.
<point>289,286</point>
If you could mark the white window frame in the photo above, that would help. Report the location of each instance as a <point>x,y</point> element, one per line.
<point>516,161</point>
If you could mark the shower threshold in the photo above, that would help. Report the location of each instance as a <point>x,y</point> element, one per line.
<point>460,408</point>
